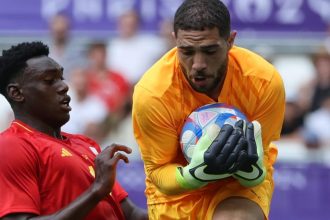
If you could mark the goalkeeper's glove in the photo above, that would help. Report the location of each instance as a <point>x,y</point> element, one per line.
<point>252,172</point>
<point>215,157</point>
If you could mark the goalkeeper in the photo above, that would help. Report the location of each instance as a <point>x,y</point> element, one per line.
<point>231,173</point>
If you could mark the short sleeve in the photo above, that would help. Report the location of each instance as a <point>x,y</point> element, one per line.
<point>118,193</point>
<point>19,177</point>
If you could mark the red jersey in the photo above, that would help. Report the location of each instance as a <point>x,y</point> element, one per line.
<point>41,174</point>
<point>113,90</point>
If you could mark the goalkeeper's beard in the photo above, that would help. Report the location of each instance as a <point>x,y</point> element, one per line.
<point>218,80</point>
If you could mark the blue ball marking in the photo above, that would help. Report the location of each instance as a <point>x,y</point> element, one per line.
<point>201,118</point>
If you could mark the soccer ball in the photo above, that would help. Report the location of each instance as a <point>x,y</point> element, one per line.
<point>199,120</point>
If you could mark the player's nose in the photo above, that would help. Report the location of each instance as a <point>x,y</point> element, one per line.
<point>199,62</point>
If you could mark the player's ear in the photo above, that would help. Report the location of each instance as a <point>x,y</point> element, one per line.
<point>173,34</point>
<point>231,39</point>
<point>14,92</point>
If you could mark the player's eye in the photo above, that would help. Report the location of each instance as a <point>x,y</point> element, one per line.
<point>210,51</point>
<point>187,52</point>
<point>49,81</point>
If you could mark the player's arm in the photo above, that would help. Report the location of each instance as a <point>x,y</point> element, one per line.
<point>217,155</point>
<point>173,178</point>
<point>105,171</point>
<point>158,142</point>
<point>133,212</point>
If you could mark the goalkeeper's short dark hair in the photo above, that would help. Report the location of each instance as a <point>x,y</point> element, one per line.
<point>199,15</point>
<point>13,61</point>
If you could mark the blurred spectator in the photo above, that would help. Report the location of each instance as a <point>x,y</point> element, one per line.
<point>327,39</point>
<point>131,52</point>
<point>313,93</point>
<point>88,112</point>
<point>62,47</point>
<point>317,125</point>
<point>293,121</point>
<point>124,134</point>
<point>110,86</point>
<point>307,112</point>
<point>295,70</point>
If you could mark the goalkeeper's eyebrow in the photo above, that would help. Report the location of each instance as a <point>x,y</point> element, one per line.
<point>206,47</point>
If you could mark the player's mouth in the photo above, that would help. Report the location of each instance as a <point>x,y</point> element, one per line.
<point>200,80</point>
<point>65,103</point>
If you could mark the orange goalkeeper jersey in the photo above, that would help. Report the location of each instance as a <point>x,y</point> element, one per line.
<point>163,99</point>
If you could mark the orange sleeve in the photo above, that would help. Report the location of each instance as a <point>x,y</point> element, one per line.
<point>157,139</point>
<point>270,114</point>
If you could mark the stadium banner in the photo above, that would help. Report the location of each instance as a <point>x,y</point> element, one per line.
<point>99,16</point>
<point>301,191</point>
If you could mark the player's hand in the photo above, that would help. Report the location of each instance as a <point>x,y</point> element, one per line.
<point>252,172</point>
<point>228,151</point>
<point>105,167</point>
<point>215,157</point>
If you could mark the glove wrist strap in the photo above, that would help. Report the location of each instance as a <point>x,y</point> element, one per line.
<point>186,181</point>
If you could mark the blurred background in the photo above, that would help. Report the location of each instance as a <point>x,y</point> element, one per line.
<point>106,45</point>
